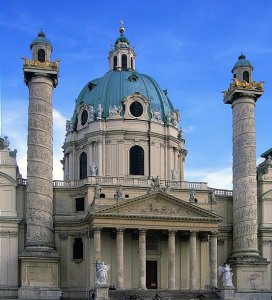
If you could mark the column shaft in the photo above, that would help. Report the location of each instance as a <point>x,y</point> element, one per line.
<point>97,244</point>
<point>193,275</point>
<point>142,258</point>
<point>120,258</point>
<point>39,217</point>
<point>245,226</point>
<point>171,260</point>
<point>213,262</point>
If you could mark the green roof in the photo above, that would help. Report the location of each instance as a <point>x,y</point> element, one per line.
<point>266,153</point>
<point>242,62</point>
<point>41,39</point>
<point>114,86</point>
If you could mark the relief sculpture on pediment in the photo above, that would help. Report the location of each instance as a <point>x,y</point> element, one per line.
<point>155,207</point>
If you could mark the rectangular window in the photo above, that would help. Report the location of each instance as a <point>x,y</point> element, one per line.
<point>78,248</point>
<point>80,204</point>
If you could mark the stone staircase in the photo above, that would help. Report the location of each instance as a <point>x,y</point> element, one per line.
<point>163,295</point>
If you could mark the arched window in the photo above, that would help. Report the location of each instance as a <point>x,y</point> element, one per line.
<point>41,55</point>
<point>102,196</point>
<point>124,62</point>
<point>84,117</point>
<point>83,165</point>
<point>246,76</point>
<point>136,160</point>
<point>115,63</point>
<point>78,249</point>
<point>131,63</point>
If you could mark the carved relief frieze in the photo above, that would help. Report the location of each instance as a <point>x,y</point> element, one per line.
<point>247,139</point>
<point>244,155</point>
<point>8,233</point>
<point>243,126</point>
<point>244,169</point>
<point>243,110</point>
<point>41,108</point>
<point>38,233</point>
<point>40,90</point>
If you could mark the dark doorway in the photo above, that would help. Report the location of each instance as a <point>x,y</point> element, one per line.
<point>151,274</point>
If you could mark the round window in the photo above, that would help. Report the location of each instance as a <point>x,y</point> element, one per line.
<point>136,109</point>
<point>84,117</point>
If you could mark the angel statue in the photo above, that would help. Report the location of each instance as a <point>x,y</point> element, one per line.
<point>101,272</point>
<point>226,274</point>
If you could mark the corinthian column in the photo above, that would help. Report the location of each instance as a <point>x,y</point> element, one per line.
<point>213,260</point>
<point>120,258</point>
<point>193,285</point>
<point>171,260</point>
<point>142,258</point>
<point>97,244</point>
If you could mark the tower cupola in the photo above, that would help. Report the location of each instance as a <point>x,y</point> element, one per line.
<point>242,69</point>
<point>122,56</point>
<point>41,48</point>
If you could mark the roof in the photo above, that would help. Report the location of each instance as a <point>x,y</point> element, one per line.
<point>41,39</point>
<point>115,86</point>
<point>242,62</point>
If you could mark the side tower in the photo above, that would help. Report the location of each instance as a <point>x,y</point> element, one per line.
<point>249,268</point>
<point>39,261</point>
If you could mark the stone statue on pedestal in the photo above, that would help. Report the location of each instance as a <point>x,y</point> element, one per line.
<point>226,274</point>
<point>101,273</point>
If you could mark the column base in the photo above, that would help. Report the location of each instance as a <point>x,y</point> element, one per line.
<point>249,273</point>
<point>102,292</point>
<point>39,278</point>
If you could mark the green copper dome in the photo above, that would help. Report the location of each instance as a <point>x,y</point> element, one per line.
<point>122,39</point>
<point>242,62</point>
<point>41,39</point>
<point>115,86</point>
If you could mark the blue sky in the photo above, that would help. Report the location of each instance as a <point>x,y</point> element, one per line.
<point>189,47</point>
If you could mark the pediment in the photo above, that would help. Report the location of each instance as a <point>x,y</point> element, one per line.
<point>158,205</point>
<point>6,179</point>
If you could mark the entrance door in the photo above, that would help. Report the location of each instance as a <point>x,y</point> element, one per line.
<point>151,274</point>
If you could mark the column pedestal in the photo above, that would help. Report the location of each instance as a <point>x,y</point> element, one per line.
<point>102,292</point>
<point>39,278</point>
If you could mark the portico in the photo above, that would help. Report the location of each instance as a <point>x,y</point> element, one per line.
<point>156,250</point>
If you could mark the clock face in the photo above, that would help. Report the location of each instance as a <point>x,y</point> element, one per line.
<point>136,109</point>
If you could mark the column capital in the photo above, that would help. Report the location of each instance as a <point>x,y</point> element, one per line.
<point>119,230</point>
<point>214,234</point>
<point>97,229</point>
<point>142,230</point>
<point>193,233</point>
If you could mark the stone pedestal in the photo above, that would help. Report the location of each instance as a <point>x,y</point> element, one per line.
<point>101,292</point>
<point>39,278</point>
<point>228,293</point>
<point>250,276</point>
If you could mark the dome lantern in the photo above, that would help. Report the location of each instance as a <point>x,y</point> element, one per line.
<point>122,56</point>
<point>242,69</point>
<point>41,48</point>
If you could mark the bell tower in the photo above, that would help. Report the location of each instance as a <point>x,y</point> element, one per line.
<point>245,260</point>
<point>39,261</point>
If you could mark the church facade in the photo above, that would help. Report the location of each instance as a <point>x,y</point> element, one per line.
<point>123,200</point>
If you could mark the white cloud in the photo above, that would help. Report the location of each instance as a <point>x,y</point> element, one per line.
<point>189,128</point>
<point>221,179</point>
<point>14,125</point>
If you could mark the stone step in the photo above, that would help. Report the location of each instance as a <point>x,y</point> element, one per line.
<point>163,294</point>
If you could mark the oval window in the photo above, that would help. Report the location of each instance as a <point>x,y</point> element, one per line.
<point>136,109</point>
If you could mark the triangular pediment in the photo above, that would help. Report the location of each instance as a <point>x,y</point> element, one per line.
<point>158,205</point>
